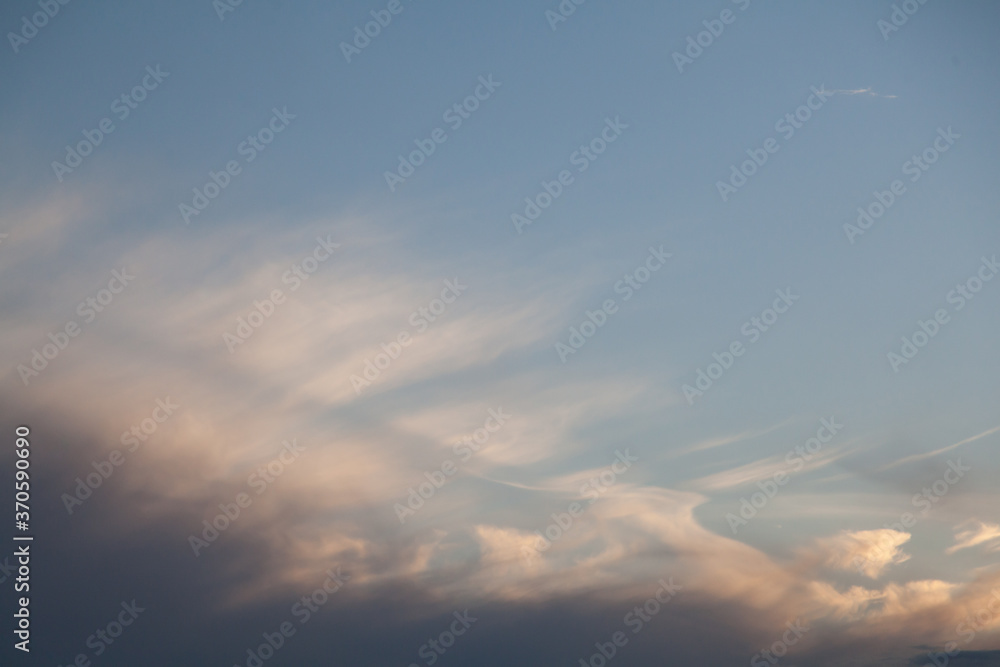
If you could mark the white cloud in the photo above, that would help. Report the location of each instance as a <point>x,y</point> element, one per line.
<point>858,91</point>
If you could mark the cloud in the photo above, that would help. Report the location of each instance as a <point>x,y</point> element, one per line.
<point>335,504</point>
<point>724,440</point>
<point>937,452</point>
<point>859,91</point>
<point>978,533</point>
<point>870,552</point>
<point>766,467</point>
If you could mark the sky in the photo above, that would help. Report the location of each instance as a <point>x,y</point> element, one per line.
<point>514,333</point>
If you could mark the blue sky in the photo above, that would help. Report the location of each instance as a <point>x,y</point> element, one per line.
<point>553,91</point>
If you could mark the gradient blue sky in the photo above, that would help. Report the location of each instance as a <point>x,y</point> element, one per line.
<point>495,346</point>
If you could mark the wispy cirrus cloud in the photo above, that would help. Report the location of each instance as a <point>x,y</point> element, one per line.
<point>974,533</point>
<point>937,452</point>
<point>868,92</point>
